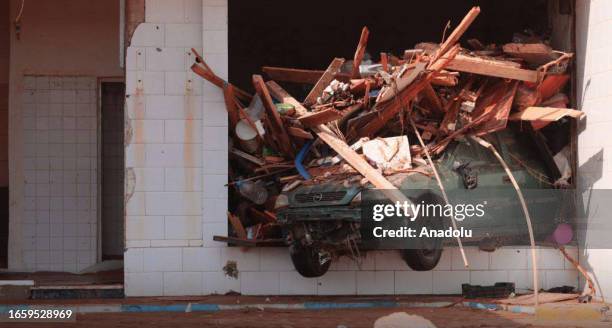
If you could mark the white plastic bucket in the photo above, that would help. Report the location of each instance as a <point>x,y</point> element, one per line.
<point>247,136</point>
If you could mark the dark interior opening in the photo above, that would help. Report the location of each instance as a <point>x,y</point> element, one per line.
<point>112,169</point>
<point>4,175</point>
<point>309,34</point>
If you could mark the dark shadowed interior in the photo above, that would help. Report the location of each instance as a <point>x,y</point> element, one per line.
<point>308,34</point>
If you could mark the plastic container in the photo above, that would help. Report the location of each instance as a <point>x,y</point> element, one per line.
<point>247,136</point>
<point>254,191</point>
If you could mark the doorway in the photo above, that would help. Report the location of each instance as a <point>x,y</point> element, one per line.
<point>112,161</point>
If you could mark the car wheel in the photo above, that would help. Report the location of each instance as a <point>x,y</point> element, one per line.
<point>427,254</point>
<point>309,261</point>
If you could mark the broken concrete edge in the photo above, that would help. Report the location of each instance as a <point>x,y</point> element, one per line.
<point>209,307</point>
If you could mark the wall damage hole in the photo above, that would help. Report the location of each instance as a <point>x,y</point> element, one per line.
<point>231,269</point>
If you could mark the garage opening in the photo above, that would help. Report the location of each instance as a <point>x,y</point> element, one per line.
<point>308,35</point>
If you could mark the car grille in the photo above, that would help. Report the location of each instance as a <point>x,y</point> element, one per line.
<point>320,197</point>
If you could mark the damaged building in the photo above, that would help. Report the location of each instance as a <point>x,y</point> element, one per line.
<point>124,145</point>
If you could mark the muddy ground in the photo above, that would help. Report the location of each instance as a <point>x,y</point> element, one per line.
<point>444,317</point>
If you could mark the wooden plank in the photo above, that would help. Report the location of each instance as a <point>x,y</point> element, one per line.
<point>547,114</point>
<point>445,79</point>
<point>391,108</point>
<point>233,112</point>
<point>274,119</point>
<point>433,98</point>
<point>324,81</point>
<point>320,117</point>
<point>299,133</point>
<point>248,157</point>
<point>360,52</point>
<point>281,95</point>
<point>237,225</point>
<point>362,166</point>
<point>543,298</point>
<point>402,81</point>
<point>384,61</point>
<point>203,70</point>
<point>490,67</point>
<point>501,111</point>
<point>454,37</point>
<point>294,75</point>
<point>533,53</point>
<point>303,76</point>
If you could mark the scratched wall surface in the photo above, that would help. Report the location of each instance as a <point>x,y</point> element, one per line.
<point>163,257</point>
<point>164,159</point>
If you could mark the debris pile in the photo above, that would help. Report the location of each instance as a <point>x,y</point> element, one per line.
<point>365,121</point>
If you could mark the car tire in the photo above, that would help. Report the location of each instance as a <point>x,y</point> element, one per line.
<point>427,257</point>
<point>306,261</point>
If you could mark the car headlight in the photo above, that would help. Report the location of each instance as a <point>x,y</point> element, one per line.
<point>356,200</point>
<point>281,201</point>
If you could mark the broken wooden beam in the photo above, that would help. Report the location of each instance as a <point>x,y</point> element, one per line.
<point>454,37</point>
<point>360,52</point>
<point>203,70</point>
<point>273,118</point>
<point>237,225</point>
<point>489,67</point>
<point>320,117</point>
<point>323,82</point>
<point>546,114</point>
<point>302,76</point>
<point>344,150</point>
<point>445,79</point>
<point>533,53</point>
<point>391,108</point>
<point>233,112</point>
<point>253,159</point>
<point>281,95</point>
<point>299,133</point>
<point>431,96</point>
<point>294,75</point>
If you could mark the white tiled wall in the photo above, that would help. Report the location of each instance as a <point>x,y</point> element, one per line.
<point>594,73</point>
<point>60,166</point>
<point>164,155</point>
<point>163,259</point>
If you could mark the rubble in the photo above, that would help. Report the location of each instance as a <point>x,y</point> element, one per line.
<point>355,121</point>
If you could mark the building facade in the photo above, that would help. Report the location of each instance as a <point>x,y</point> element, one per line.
<point>176,163</point>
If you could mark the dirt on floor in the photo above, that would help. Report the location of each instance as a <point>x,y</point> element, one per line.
<point>442,318</point>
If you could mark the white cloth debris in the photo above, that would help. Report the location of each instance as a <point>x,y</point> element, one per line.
<point>389,153</point>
